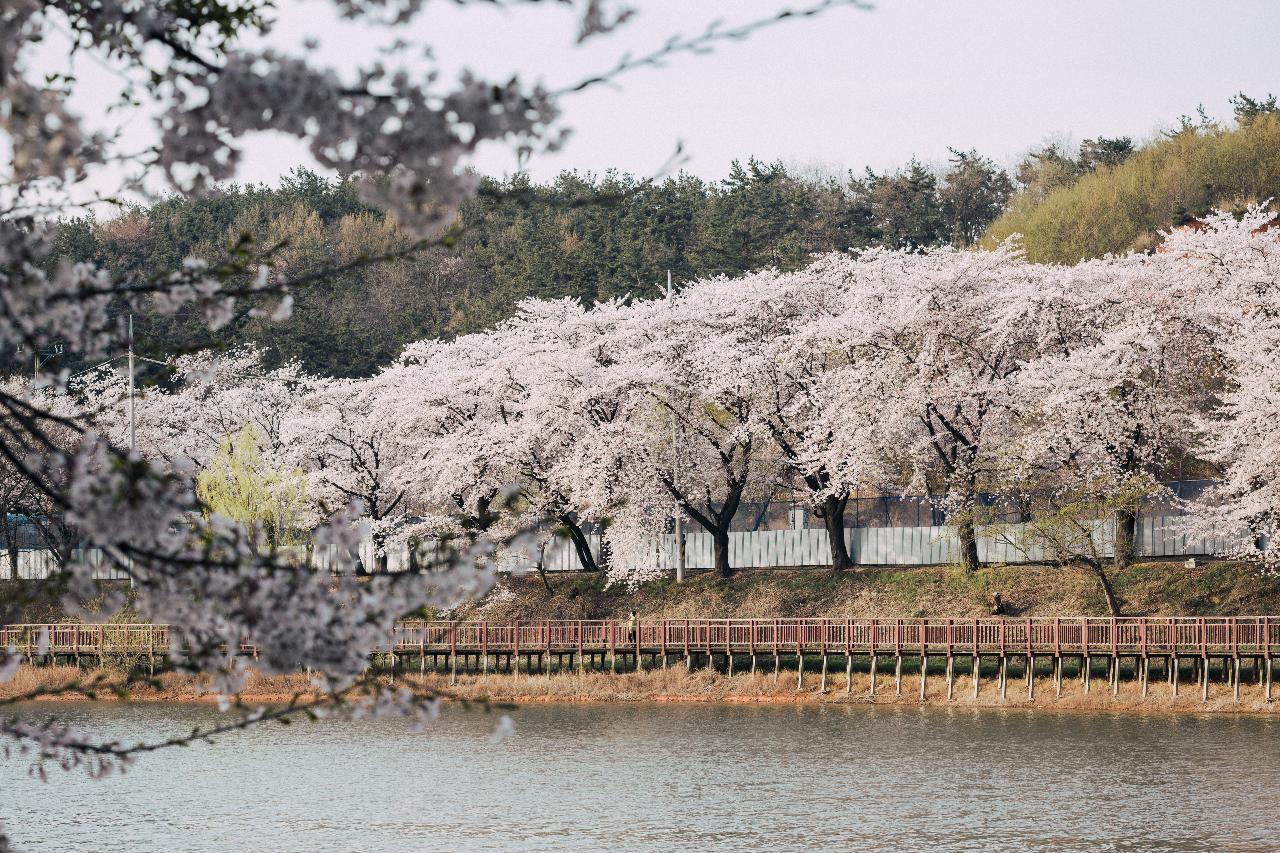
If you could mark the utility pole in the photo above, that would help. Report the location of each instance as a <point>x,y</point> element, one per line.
<point>50,354</point>
<point>675,472</point>
<point>132,423</point>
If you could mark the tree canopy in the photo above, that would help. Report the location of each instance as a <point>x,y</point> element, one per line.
<point>589,237</point>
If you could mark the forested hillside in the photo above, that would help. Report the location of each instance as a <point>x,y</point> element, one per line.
<point>588,237</point>
<point>1116,199</point>
<point>597,237</point>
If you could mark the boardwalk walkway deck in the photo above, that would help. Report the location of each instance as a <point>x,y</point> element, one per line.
<point>1174,643</point>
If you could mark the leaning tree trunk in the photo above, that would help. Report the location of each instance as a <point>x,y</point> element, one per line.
<point>1126,536</point>
<point>833,520</point>
<point>580,544</point>
<point>542,573</point>
<point>1108,591</point>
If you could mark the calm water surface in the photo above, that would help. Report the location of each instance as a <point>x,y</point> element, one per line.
<point>689,777</point>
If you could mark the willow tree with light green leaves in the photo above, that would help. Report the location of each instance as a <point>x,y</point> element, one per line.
<point>243,487</point>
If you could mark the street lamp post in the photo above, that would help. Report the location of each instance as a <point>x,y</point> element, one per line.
<point>675,473</point>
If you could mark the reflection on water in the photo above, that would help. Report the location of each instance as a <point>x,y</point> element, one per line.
<point>692,777</point>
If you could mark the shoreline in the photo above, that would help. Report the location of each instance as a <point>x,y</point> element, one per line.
<point>675,686</point>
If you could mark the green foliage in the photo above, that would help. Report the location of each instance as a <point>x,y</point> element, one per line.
<point>1096,153</point>
<point>240,485</point>
<point>973,194</point>
<point>583,236</point>
<point>906,207</point>
<point>1247,109</point>
<point>1163,185</point>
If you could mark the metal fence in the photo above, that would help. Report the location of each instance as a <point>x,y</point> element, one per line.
<point>1157,536</point>
<point>890,510</point>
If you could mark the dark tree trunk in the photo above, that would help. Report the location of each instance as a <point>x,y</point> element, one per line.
<point>580,544</point>
<point>968,535</point>
<point>542,573</point>
<point>720,532</point>
<point>965,521</point>
<point>1108,591</point>
<point>381,559</point>
<point>833,520</point>
<point>717,521</point>
<point>1126,536</point>
<point>720,541</point>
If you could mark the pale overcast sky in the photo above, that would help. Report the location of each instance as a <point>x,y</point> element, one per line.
<point>849,89</point>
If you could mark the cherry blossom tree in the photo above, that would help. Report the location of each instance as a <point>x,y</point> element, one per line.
<point>1235,264</point>
<point>821,390</point>
<point>689,428</point>
<point>1125,363</point>
<point>338,436</point>
<point>942,333</point>
<point>446,396</point>
<point>556,412</point>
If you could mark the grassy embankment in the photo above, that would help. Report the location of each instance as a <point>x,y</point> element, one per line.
<point>1145,589</point>
<point>1155,589</point>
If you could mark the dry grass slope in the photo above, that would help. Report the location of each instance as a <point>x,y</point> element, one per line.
<point>1146,589</point>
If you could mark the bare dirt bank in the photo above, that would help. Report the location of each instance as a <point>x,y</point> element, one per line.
<point>109,685</point>
<point>676,685</point>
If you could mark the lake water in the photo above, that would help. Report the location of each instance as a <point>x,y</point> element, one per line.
<point>671,777</point>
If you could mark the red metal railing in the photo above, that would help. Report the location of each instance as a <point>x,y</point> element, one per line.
<point>1194,636</point>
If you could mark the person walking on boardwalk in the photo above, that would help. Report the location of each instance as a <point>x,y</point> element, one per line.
<point>631,627</point>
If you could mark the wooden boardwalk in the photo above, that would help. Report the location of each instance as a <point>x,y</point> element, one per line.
<point>1177,646</point>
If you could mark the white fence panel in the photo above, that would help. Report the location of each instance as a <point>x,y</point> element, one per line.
<point>1158,536</point>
